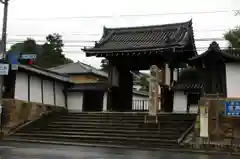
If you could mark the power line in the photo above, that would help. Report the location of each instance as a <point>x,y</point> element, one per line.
<point>93,41</point>
<point>202,49</point>
<point>128,15</point>
<point>99,34</point>
<point>44,35</point>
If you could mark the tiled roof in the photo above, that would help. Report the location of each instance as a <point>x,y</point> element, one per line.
<point>176,35</point>
<point>190,79</point>
<point>188,86</point>
<point>78,68</point>
<point>218,53</point>
<point>45,72</point>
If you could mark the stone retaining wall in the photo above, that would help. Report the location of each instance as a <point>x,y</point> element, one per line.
<point>18,112</point>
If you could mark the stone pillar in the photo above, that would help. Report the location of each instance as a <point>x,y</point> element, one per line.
<point>154,90</point>
<point>203,121</point>
<point>105,97</point>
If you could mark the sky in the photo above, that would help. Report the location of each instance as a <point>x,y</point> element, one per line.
<point>81,21</point>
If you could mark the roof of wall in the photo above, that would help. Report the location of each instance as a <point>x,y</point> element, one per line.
<point>45,72</point>
<point>78,68</point>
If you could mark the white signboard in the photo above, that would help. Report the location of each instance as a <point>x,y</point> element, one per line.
<point>4,68</point>
<point>14,67</point>
<point>29,56</point>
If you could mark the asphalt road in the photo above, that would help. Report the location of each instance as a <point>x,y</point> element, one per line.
<point>39,151</point>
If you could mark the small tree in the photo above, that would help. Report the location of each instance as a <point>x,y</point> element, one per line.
<point>49,54</point>
<point>52,52</point>
<point>144,83</point>
<point>104,65</point>
<point>233,37</point>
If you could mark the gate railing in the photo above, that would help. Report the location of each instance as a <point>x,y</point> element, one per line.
<point>140,105</point>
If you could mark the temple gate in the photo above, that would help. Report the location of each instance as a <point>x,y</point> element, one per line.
<point>138,48</point>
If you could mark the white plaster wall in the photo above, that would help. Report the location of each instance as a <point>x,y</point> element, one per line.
<point>60,98</point>
<point>105,101</point>
<point>48,96</point>
<point>193,108</point>
<point>179,102</point>
<point>21,86</point>
<point>75,101</point>
<point>21,90</point>
<point>232,80</point>
<point>35,89</point>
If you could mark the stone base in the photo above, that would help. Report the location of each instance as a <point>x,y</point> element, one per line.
<point>17,112</point>
<point>151,122</point>
<point>151,119</point>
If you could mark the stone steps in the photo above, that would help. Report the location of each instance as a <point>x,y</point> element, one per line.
<point>85,130</point>
<point>112,134</point>
<point>126,117</point>
<point>107,127</point>
<point>96,142</point>
<point>91,136</point>
<point>116,127</point>
<point>96,129</point>
<point>118,120</point>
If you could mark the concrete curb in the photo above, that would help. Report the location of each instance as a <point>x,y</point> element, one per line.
<point>178,150</point>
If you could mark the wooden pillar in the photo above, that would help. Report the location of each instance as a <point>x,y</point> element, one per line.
<point>128,90</point>
<point>115,92</point>
<point>113,81</point>
<point>124,91</point>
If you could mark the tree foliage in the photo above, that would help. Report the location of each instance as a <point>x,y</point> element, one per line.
<point>233,37</point>
<point>50,54</point>
<point>104,65</point>
<point>144,83</point>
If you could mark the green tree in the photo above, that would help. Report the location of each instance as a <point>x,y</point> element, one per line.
<point>144,83</point>
<point>104,65</point>
<point>50,54</point>
<point>29,46</point>
<point>233,37</point>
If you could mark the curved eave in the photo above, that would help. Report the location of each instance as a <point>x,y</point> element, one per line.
<point>230,58</point>
<point>227,57</point>
<point>188,87</point>
<point>187,90</point>
<point>132,51</point>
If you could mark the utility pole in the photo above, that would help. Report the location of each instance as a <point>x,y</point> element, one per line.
<point>3,52</point>
<point>4,27</point>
